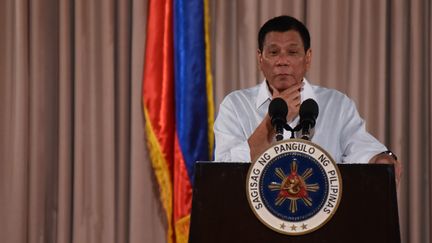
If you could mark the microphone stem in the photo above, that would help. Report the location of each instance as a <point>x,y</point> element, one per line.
<point>305,132</point>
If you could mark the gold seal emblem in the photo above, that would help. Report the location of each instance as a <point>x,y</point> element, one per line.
<point>294,187</point>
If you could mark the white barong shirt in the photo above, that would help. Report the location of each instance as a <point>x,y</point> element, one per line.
<point>339,128</point>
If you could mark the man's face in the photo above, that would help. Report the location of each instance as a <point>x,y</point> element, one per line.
<point>283,60</point>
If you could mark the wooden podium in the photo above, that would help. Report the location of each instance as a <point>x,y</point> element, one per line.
<point>368,210</point>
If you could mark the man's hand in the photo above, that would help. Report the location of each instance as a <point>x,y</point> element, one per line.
<point>263,135</point>
<point>292,97</point>
<point>261,138</point>
<point>387,159</point>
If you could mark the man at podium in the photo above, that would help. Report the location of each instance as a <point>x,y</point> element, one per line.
<point>243,127</point>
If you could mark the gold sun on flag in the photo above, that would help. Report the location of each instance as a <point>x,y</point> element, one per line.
<point>293,187</point>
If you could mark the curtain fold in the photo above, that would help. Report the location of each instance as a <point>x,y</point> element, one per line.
<point>14,122</point>
<point>73,161</point>
<point>66,121</point>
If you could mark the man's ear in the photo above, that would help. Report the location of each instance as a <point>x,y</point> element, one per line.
<point>308,58</point>
<point>259,57</point>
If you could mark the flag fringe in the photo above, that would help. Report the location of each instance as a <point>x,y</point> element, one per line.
<point>161,172</point>
<point>209,79</point>
<point>182,229</point>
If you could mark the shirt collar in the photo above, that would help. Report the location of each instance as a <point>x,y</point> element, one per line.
<point>264,94</point>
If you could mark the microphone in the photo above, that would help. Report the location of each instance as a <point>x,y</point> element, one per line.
<point>308,115</point>
<point>278,111</point>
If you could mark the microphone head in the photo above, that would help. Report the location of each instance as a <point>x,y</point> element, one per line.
<point>278,109</point>
<point>309,111</point>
